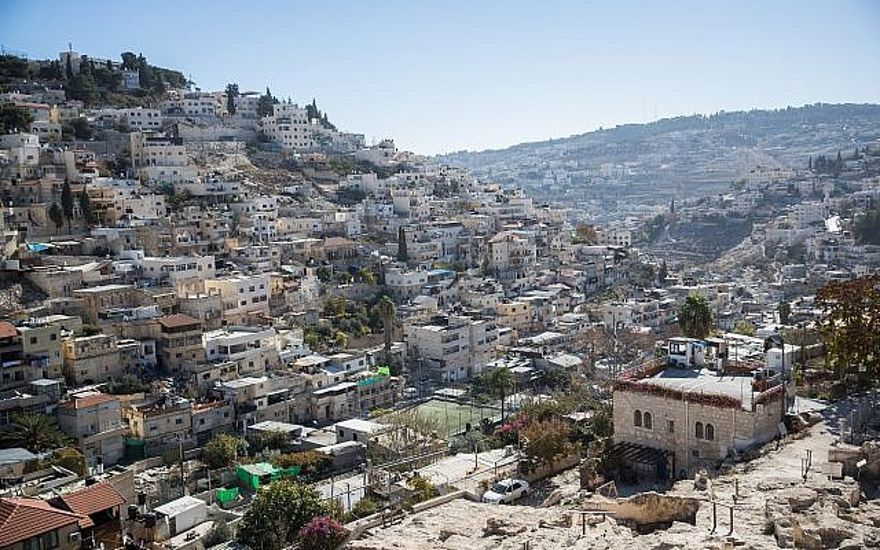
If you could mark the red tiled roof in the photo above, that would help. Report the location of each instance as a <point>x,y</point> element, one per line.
<point>177,320</point>
<point>92,499</point>
<point>23,518</point>
<point>7,330</point>
<point>88,401</point>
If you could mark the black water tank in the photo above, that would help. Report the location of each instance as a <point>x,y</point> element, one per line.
<point>142,499</point>
<point>132,512</point>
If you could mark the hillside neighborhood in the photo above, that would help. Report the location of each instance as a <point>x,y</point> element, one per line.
<point>226,322</point>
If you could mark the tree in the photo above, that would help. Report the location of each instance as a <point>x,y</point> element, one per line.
<point>222,451</point>
<point>35,432</point>
<point>231,94</point>
<point>867,227</point>
<point>695,317</point>
<point>266,104</point>
<point>278,513</point>
<point>546,441</point>
<point>311,463</point>
<point>499,381</point>
<point>402,255</point>
<point>85,208</point>
<point>387,311</point>
<point>745,328</point>
<point>662,273</point>
<point>586,234</point>
<point>850,328</point>
<point>366,276</point>
<point>129,61</point>
<point>56,215</point>
<point>340,339</point>
<point>14,118</point>
<point>784,310</point>
<point>12,66</point>
<point>80,128</point>
<point>322,533</point>
<point>83,88</point>
<point>67,202</point>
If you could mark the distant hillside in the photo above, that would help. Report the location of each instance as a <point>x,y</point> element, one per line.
<point>689,149</point>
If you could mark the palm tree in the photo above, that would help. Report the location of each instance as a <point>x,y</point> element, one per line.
<point>35,432</point>
<point>500,380</point>
<point>387,311</point>
<point>695,317</point>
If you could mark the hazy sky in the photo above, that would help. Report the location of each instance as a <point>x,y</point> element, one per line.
<point>446,75</point>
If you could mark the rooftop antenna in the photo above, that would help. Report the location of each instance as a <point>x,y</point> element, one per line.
<point>70,47</point>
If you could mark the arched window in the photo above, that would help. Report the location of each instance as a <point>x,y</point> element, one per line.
<point>710,432</point>
<point>637,418</point>
<point>698,430</point>
<point>648,423</point>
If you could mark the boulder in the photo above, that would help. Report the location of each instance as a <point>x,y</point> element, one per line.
<point>501,527</point>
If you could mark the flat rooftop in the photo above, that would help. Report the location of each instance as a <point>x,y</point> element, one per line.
<point>704,381</point>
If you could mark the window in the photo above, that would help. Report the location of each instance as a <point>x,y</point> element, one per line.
<point>670,426</point>
<point>695,453</point>
<point>647,419</point>
<point>710,432</point>
<point>698,430</point>
<point>178,421</point>
<point>45,541</point>
<point>637,418</point>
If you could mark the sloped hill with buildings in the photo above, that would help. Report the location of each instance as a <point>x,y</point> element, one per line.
<point>700,152</point>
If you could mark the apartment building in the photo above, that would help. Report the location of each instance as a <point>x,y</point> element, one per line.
<point>161,424</point>
<point>179,346</point>
<point>351,398</point>
<point>91,359</point>
<point>241,294</point>
<point>142,119</point>
<point>289,126</point>
<point>210,419</point>
<point>512,254</point>
<point>453,347</point>
<point>95,420</point>
<point>253,349</point>
<point>102,298</point>
<point>41,347</point>
<point>175,268</point>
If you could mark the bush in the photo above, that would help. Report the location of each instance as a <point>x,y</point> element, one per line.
<point>364,507</point>
<point>422,490</point>
<point>322,533</point>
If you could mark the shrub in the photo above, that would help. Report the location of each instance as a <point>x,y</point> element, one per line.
<point>322,533</point>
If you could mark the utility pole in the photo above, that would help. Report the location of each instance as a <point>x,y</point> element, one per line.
<point>182,472</point>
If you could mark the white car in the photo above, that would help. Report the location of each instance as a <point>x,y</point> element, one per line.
<point>506,491</point>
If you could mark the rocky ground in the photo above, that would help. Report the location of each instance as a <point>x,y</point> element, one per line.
<point>774,506</point>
